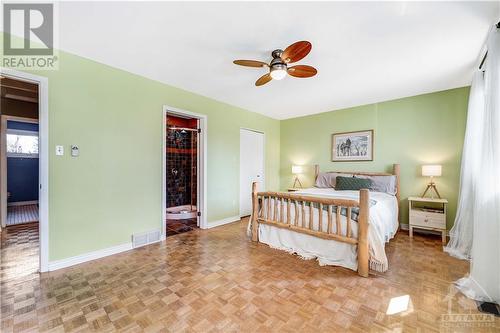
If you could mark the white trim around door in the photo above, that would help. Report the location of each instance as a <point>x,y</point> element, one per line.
<point>202,165</point>
<point>43,132</point>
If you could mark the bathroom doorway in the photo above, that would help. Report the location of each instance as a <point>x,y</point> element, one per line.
<point>24,173</point>
<point>183,167</point>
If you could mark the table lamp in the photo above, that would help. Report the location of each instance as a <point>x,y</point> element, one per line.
<point>431,170</point>
<point>297,170</point>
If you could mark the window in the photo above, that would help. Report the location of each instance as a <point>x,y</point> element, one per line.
<point>22,143</point>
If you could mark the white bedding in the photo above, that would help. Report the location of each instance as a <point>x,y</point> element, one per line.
<point>383,225</point>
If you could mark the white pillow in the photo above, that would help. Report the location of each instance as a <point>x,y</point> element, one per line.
<point>328,179</point>
<point>385,184</point>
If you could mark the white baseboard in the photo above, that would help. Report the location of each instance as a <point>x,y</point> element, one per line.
<point>23,203</point>
<point>227,220</point>
<point>79,259</point>
<point>406,226</point>
<point>63,263</point>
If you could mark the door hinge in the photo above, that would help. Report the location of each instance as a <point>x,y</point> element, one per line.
<point>199,213</point>
<point>199,130</point>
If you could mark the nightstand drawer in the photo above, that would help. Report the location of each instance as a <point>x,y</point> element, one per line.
<point>429,220</point>
<point>428,213</point>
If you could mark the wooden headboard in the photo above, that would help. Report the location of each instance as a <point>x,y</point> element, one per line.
<point>395,172</point>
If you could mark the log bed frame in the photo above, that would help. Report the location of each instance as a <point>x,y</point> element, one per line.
<point>276,217</point>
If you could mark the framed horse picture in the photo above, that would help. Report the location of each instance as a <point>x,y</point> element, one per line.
<point>352,146</point>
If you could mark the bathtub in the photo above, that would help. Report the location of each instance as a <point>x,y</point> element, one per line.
<point>181,212</point>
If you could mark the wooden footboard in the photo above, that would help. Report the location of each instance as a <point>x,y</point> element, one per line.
<point>279,215</point>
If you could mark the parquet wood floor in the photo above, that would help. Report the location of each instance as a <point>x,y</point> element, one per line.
<point>217,281</point>
<point>175,227</point>
<point>19,254</point>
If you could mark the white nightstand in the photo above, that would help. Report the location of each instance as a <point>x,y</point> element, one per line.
<point>428,214</point>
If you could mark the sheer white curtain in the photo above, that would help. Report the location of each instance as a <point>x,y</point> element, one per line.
<point>483,283</point>
<point>460,244</point>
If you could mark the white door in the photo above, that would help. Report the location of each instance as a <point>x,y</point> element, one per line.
<point>251,167</point>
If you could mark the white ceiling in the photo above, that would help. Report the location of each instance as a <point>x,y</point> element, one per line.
<point>364,52</point>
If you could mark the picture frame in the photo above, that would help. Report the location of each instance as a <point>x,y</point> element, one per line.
<point>352,146</point>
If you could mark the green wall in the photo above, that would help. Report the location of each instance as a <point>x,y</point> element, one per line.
<point>114,188</point>
<point>410,131</point>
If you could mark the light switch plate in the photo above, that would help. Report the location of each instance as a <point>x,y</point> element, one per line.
<point>59,150</point>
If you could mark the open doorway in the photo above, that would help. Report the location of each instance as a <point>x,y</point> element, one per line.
<point>181,174</point>
<point>19,175</point>
<point>184,164</point>
<point>22,169</point>
<point>24,101</point>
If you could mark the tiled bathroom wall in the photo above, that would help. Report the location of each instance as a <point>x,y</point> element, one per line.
<point>181,170</point>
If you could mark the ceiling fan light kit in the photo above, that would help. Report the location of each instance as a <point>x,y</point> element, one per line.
<point>278,67</point>
<point>278,71</point>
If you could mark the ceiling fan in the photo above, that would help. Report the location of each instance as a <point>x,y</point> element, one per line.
<point>278,67</point>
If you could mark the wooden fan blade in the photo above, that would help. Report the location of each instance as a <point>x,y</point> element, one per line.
<point>263,79</point>
<point>250,63</point>
<point>296,51</point>
<point>302,71</point>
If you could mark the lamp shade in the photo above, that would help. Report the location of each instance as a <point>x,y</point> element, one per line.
<point>433,170</point>
<point>296,169</point>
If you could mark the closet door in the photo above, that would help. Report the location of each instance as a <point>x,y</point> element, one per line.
<point>251,167</point>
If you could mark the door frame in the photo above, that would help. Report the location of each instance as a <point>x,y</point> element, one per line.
<point>263,189</point>
<point>201,203</point>
<point>43,159</point>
